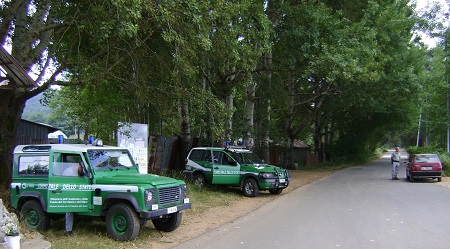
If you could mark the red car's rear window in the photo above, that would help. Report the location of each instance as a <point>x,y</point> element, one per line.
<point>427,159</point>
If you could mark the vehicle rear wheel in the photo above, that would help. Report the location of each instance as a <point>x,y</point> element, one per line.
<point>411,178</point>
<point>34,216</point>
<point>122,222</point>
<point>168,223</point>
<point>199,180</point>
<point>276,191</point>
<point>250,187</point>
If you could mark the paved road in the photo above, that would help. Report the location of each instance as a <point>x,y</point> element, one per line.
<point>359,207</point>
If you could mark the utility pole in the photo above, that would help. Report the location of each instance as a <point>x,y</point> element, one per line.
<point>448,89</point>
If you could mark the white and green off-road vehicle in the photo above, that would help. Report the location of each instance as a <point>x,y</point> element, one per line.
<point>235,167</point>
<point>108,186</point>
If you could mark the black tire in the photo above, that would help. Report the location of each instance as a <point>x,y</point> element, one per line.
<point>411,177</point>
<point>275,191</point>
<point>199,180</point>
<point>122,222</point>
<point>439,179</point>
<point>34,216</point>
<point>168,223</point>
<point>250,187</point>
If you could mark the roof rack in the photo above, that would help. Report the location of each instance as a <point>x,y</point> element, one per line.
<point>37,148</point>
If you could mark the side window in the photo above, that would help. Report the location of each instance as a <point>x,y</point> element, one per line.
<point>226,160</point>
<point>208,156</point>
<point>65,164</point>
<point>238,157</point>
<point>33,165</point>
<point>216,157</point>
<point>196,155</point>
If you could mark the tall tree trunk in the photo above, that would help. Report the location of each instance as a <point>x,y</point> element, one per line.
<point>288,126</point>
<point>249,116</point>
<point>185,130</point>
<point>12,103</point>
<point>264,145</point>
<point>229,103</point>
<point>317,137</point>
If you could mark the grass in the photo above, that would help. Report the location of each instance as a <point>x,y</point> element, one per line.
<point>92,233</point>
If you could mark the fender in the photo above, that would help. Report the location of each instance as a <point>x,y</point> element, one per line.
<point>109,200</point>
<point>25,195</point>
<point>248,175</point>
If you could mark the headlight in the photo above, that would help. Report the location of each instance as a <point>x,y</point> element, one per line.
<point>267,175</point>
<point>183,191</point>
<point>148,197</point>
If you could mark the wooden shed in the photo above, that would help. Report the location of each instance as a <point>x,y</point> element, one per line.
<point>33,133</point>
<point>279,153</point>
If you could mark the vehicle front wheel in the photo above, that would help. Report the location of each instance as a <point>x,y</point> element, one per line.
<point>199,180</point>
<point>122,222</point>
<point>439,179</point>
<point>275,191</point>
<point>250,187</point>
<point>34,216</point>
<point>168,223</point>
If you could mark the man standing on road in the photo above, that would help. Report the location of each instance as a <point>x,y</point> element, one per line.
<point>395,161</point>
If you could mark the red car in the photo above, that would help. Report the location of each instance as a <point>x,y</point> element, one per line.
<point>423,166</point>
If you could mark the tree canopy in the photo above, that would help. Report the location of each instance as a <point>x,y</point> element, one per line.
<point>344,76</point>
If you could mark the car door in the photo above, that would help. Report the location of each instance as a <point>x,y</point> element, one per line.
<point>68,193</point>
<point>225,169</point>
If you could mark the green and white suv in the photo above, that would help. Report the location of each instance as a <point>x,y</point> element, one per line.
<point>105,184</point>
<point>236,167</point>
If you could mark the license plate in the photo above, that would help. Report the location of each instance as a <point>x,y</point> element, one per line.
<point>282,180</point>
<point>171,210</point>
<point>427,168</point>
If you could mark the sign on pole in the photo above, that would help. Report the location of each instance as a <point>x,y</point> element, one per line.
<point>134,137</point>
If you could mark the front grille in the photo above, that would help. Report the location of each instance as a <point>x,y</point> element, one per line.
<point>169,195</point>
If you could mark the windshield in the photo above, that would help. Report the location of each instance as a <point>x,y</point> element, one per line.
<point>110,159</point>
<point>246,158</point>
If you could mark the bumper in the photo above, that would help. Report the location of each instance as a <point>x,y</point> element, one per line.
<point>426,174</point>
<point>273,183</point>
<point>160,212</point>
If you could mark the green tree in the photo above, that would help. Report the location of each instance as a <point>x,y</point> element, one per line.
<point>60,40</point>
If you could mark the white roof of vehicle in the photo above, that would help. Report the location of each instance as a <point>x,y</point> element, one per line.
<point>231,148</point>
<point>44,148</point>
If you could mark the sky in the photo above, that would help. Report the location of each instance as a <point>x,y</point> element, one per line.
<point>423,4</point>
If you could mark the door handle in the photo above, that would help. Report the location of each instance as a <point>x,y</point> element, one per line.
<point>215,167</point>
<point>57,191</point>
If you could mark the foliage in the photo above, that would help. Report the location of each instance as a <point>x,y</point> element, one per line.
<point>343,76</point>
